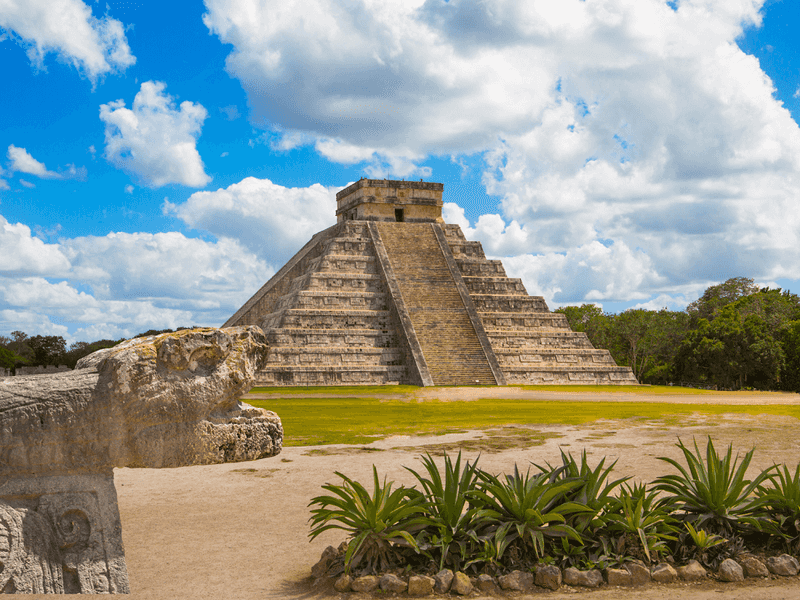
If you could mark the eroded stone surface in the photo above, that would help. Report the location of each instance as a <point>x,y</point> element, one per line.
<point>461,584</point>
<point>664,573</point>
<point>693,571</point>
<point>753,567</point>
<point>342,584</point>
<point>444,579</point>
<point>730,570</point>
<point>392,583</point>
<point>365,583</point>
<point>618,577</point>
<point>784,565</point>
<point>592,578</point>
<point>420,585</point>
<point>640,574</point>
<point>486,584</point>
<point>518,581</point>
<point>548,576</point>
<point>168,400</point>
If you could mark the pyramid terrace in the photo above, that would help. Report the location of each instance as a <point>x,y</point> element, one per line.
<point>391,294</point>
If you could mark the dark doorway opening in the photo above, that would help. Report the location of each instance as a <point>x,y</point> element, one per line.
<point>398,215</point>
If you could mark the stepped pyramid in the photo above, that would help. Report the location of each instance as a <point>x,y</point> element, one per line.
<point>391,294</point>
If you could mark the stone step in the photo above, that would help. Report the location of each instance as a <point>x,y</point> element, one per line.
<point>452,231</point>
<point>445,333</point>
<point>529,320</point>
<point>350,246</point>
<point>512,357</point>
<point>556,338</point>
<point>372,338</point>
<point>280,356</point>
<point>337,300</point>
<point>509,303</point>
<point>481,268</point>
<point>566,375</point>
<point>465,249</point>
<point>367,282</point>
<point>333,375</point>
<point>343,263</point>
<point>309,318</point>
<point>494,285</point>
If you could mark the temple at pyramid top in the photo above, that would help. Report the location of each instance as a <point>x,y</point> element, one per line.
<point>392,294</point>
<point>389,200</point>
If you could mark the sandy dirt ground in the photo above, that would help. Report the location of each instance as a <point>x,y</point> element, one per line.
<point>241,530</point>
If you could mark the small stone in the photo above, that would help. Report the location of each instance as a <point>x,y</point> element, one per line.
<point>548,576</point>
<point>443,579</point>
<point>664,573</point>
<point>783,565</point>
<point>343,583</point>
<point>730,570</point>
<point>461,584</point>
<point>640,574</point>
<point>420,585</point>
<point>486,584</point>
<point>694,571</point>
<point>592,578</point>
<point>319,569</point>
<point>753,567</point>
<point>365,583</point>
<point>518,581</point>
<point>392,583</point>
<point>618,577</point>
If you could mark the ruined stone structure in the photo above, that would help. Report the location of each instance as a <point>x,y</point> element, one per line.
<point>163,401</point>
<point>392,294</point>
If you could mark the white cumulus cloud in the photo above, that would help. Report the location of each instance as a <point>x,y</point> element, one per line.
<point>121,284</point>
<point>155,140</point>
<point>22,161</point>
<point>25,254</point>
<point>270,220</point>
<point>624,125</point>
<point>95,46</point>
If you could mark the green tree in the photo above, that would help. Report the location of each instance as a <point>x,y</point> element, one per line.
<point>10,359</point>
<point>717,297</point>
<point>47,349</point>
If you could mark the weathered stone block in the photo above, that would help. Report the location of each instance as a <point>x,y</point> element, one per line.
<point>169,400</point>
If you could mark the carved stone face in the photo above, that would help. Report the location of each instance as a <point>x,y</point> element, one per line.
<point>163,401</point>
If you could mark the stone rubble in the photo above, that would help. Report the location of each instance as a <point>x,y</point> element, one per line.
<point>551,578</point>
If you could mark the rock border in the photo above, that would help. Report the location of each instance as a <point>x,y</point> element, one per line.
<point>544,578</point>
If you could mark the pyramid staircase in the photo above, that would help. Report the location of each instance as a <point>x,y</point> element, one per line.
<point>447,337</point>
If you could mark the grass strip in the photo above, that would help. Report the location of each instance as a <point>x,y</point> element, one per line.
<point>317,421</point>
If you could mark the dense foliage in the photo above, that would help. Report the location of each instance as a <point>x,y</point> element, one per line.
<point>572,515</point>
<point>735,336</point>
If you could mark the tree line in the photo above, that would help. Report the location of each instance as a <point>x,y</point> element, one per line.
<point>21,350</point>
<point>735,336</point>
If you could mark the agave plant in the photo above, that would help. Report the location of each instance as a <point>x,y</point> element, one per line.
<point>594,489</point>
<point>714,491</point>
<point>782,505</point>
<point>637,516</point>
<point>376,523</point>
<point>447,509</point>
<point>528,508</point>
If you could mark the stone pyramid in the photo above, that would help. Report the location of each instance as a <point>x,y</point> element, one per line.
<point>391,294</point>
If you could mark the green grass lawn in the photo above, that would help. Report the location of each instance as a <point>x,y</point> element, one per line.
<point>309,421</point>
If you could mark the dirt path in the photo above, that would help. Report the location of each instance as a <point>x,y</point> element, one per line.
<point>240,530</point>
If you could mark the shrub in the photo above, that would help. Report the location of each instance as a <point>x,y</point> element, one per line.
<point>376,523</point>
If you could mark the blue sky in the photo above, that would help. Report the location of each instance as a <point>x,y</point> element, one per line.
<point>160,161</point>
